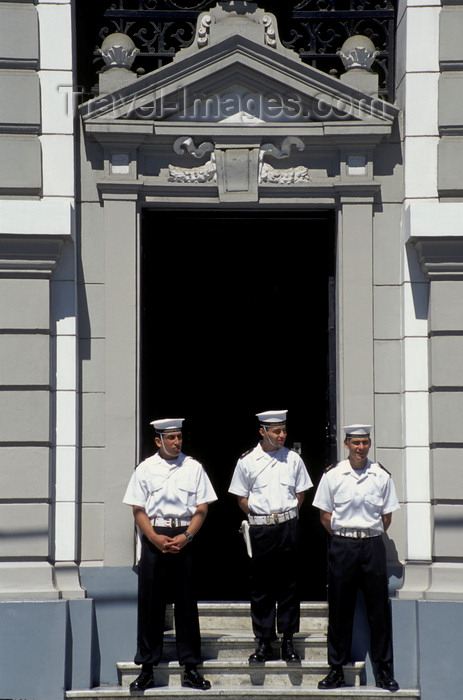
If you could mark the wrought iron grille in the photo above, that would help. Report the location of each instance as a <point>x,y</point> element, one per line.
<point>315,29</point>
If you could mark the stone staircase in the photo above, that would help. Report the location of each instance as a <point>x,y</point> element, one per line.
<point>227,642</point>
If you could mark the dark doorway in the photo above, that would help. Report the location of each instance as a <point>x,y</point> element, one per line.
<point>235,320</point>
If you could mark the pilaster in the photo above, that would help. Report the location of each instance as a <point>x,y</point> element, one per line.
<point>441,260</point>
<point>30,514</point>
<point>120,410</point>
<point>355,304</point>
<point>417,93</point>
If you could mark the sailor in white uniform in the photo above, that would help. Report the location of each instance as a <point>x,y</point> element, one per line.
<point>169,493</point>
<point>356,498</point>
<point>270,482</point>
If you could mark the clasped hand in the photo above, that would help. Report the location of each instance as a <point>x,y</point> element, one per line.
<point>170,545</point>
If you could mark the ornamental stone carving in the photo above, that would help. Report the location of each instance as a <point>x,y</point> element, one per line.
<point>358,52</point>
<point>235,16</point>
<point>204,27</point>
<point>203,173</point>
<point>236,162</point>
<point>118,51</point>
<point>270,31</point>
<point>285,150</point>
<point>286,176</point>
<point>186,143</point>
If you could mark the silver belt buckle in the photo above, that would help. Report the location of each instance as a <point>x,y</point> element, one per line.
<point>362,533</point>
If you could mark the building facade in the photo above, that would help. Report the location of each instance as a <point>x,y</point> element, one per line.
<point>155,240</point>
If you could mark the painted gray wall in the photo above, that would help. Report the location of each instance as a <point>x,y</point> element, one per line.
<point>446,401</point>
<point>450,101</point>
<point>20,151</point>
<point>446,404</point>
<point>25,426</point>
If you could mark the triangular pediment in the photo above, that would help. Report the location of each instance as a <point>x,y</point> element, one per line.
<point>238,81</point>
<point>219,118</point>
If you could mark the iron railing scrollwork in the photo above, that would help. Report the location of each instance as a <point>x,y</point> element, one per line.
<point>315,29</point>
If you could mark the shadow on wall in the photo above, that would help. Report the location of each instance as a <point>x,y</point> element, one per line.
<point>114,623</point>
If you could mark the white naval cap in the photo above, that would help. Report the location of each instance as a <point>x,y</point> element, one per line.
<point>167,425</point>
<point>272,417</point>
<point>357,429</point>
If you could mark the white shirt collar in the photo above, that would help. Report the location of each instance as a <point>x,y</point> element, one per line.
<point>349,469</point>
<point>177,462</point>
<point>269,455</point>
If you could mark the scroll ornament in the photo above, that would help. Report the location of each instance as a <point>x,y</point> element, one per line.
<point>201,174</point>
<point>285,176</point>
<point>203,30</point>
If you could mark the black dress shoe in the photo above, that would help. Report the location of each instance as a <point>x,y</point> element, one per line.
<point>385,679</point>
<point>193,679</point>
<point>144,681</point>
<point>335,679</point>
<point>288,652</point>
<point>264,652</point>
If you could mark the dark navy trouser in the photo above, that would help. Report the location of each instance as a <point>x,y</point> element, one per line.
<point>162,579</point>
<point>358,564</point>
<point>274,579</point>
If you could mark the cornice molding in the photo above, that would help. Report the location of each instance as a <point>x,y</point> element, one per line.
<point>330,194</point>
<point>29,256</point>
<point>440,258</point>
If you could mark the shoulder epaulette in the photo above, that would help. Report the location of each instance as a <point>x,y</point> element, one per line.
<point>386,470</point>
<point>331,466</point>
<point>247,452</point>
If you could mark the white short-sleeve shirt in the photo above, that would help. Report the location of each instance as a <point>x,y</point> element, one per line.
<point>356,500</point>
<point>270,480</point>
<point>169,489</point>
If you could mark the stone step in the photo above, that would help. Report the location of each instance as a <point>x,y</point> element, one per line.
<point>237,645</point>
<point>237,616</point>
<point>239,674</point>
<point>227,641</point>
<point>256,693</point>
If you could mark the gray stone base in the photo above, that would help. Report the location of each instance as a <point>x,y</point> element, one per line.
<point>52,646</point>
<point>45,648</point>
<point>114,590</point>
<point>428,647</point>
